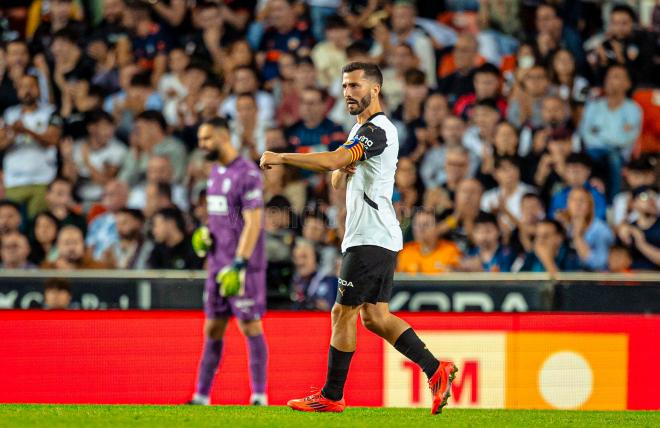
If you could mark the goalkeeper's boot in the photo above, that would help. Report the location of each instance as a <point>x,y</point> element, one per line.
<point>317,403</point>
<point>440,384</point>
<point>199,400</point>
<point>258,399</point>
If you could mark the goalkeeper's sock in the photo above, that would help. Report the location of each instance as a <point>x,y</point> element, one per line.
<point>410,345</point>
<point>338,364</point>
<point>208,366</point>
<point>258,354</point>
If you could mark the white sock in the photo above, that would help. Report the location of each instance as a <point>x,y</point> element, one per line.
<point>261,399</point>
<point>201,399</point>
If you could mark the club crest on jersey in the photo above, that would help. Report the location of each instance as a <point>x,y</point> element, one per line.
<point>226,185</point>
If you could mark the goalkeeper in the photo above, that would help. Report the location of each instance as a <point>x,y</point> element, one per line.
<point>234,243</point>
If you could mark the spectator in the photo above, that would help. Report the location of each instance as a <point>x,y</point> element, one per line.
<point>622,44</point>
<point>150,138</point>
<point>315,230</point>
<point>283,35</point>
<point>548,170</point>
<point>550,252</point>
<point>158,196</point>
<point>10,217</point>
<point>329,55</point>
<point>14,251</point>
<point>69,63</point>
<point>407,192</point>
<point>173,248</point>
<point>426,132</point>
<point>28,138</point>
<point>611,125</point>
<point>159,170</point>
<point>246,81</point>
<point>590,236</point>
<point>17,64</point>
<point>312,288</point>
<point>552,34</point>
<point>488,254</point>
<point>566,83</point>
<point>59,201</point>
<point>210,34</point>
<point>480,136</point>
<point>404,30</point>
<point>526,103</point>
<point>149,41</point>
<point>170,86</point>
<point>457,222</point>
<point>45,230</point>
<point>639,172</point>
<point>456,79</point>
<point>96,159</point>
<point>451,136</point>
<point>427,254</point>
<point>102,232</point>
<point>521,239</point>
<point>295,79</point>
<point>576,174</point>
<point>132,250</point>
<point>555,115</point>
<point>642,237</point>
<point>59,18</point>
<point>505,143</point>
<point>71,252</point>
<point>279,233</point>
<point>487,84</point>
<point>504,200</point>
<point>409,111</point>
<point>314,132</point>
<point>57,294</point>
<point>619,259</point>
<point>248,133</point>
<point>401,59</point>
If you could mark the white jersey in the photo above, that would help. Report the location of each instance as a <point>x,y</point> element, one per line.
<point>370,216</point>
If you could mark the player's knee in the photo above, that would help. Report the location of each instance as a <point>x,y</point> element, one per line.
<point>342,314</point>
<point>250,328</point>
<point>215,330</point>
<point>371,321</point>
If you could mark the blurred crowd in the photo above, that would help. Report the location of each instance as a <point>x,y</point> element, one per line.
<point>529,130</point>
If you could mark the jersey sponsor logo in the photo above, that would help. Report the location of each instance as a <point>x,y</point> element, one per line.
<point>366,142</point>
<point>217,204</point>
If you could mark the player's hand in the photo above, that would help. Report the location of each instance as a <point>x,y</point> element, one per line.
<point>232,278</point>
<point>349,169</point>
<point>202,241</point>
<point>268,159</point>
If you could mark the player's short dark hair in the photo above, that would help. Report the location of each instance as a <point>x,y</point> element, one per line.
<point>135,213</point>
<point>371,71</point>
<point>624,8</point>
<point>153,116</point>
<point>485,218</point>
<point>510,159</point>
<point>217,122</point>
<point>414,77</point>
<point>173,214</point>
<point>487,68</point>
<point>98,115</point>
<point>10,203</point>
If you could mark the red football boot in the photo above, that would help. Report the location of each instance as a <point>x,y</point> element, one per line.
<point>317,403</point>
<point>440,384</point>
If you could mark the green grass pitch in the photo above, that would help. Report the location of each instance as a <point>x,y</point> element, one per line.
<point>55,416</point>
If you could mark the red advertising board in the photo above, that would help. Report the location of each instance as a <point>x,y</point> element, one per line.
<point>506,360</point>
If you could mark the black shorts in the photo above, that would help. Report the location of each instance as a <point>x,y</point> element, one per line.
<point>367,274</point>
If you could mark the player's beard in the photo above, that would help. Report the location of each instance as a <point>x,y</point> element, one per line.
<point>212,155</point>
<point>363,103</point>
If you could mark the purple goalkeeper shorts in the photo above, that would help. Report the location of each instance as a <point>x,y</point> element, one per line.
<point>251,306</point>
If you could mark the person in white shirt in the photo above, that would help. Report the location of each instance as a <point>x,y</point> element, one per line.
<point>159,170</point>
<point>29,137</point>
<point>96,159</point>
<point>248,133</point>
<point>506,197</point>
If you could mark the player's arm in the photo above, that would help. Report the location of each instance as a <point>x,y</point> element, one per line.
<point>319,162</point>
<point>250,234</point>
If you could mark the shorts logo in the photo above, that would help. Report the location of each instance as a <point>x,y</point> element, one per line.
<point>343,284</point>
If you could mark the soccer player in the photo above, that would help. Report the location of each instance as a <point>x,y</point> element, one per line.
<point>365,164</point>
<point>234,241</point>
